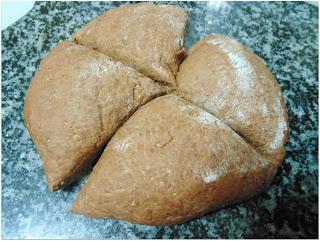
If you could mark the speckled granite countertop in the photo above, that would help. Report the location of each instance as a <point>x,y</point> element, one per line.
<point>284,34</point>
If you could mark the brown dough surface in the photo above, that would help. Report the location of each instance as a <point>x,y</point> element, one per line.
<point>231,82</point>
<point>170,162</point>
<point>219,140</point>
<point>76,101</point>
<point>145,36</point>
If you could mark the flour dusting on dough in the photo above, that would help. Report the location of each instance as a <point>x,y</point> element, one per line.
<point>278,137</point>
<point>106,67</point>
<point>178,43</point>
<point>248,82</point>
<point>98,68</point>
<point>265,110</point>
<point>242,169</point>
<point>206,118</point>
<point>240,115</point>
<point>216,102</point>
<point>211,177</point>
<point>280,131</point>
<point>186,108</point>
<point>122,145</point>
<point>244,70</point>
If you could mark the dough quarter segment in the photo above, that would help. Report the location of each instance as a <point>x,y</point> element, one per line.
<point>75,103</point>
<point>146,36</point>
<point>177,162</point>
<point>229,81</point>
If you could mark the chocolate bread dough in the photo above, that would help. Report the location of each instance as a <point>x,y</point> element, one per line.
<point>215,138</point>
<point>145,36</point>
<point>230,81</point>
<point>76,101</point>
<point>170,162</point>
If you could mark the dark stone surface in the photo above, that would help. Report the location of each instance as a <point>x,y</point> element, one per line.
<point>284,34</point>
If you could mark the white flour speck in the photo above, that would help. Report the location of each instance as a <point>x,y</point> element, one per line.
<point>207,118</point>
<point>211,177</point>
<point>186,108</point>
<point>122,145</point>
<point>216,102</point>
<point>106,67</point>
<point>98,68</point>
<point>240,115</point>
<point>264,109</point>
<point>178,42</point>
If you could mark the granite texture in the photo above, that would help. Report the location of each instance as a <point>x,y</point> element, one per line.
<point>284,34</point>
